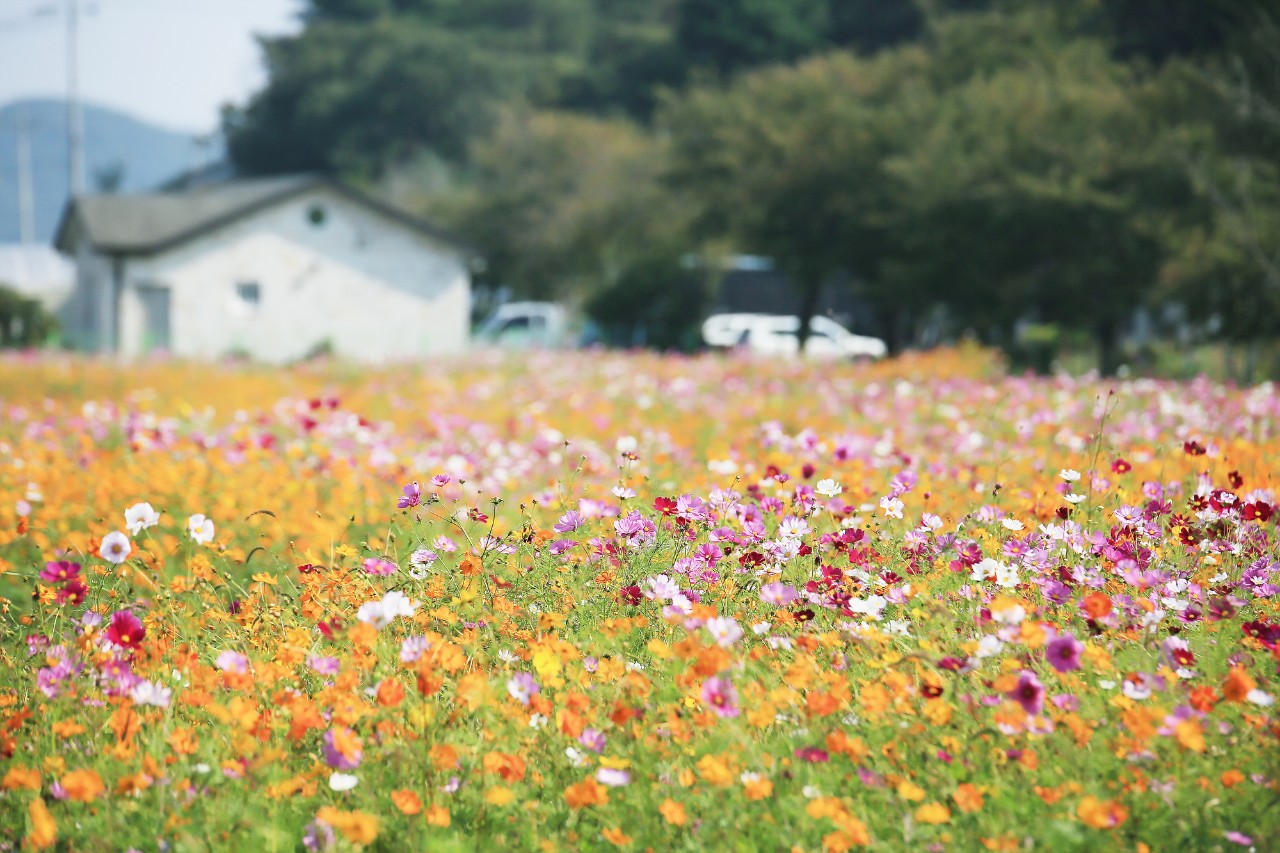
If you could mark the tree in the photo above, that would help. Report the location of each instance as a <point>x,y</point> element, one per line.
<point>369,83</point>
<point>564,205</point>
<point>1000,169</point>
<point>728,35</point>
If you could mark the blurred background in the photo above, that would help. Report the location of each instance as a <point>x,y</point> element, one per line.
<point>1078,183</point>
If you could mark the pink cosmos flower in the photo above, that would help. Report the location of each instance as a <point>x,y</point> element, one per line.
<point>523,687</point>
<point>379,566</point>
<point>411,496</point>
<point>592,739</point>
<point>232,662</point>
<point>778,594</point>
<point>569,522</point>
<point>612,777</point>
<point>720,696</point>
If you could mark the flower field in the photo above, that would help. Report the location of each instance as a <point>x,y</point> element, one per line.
<point>597,601</point>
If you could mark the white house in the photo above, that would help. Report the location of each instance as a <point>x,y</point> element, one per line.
<point>269,268</point>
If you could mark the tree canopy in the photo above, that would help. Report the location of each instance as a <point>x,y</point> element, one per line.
<point>994,163</point>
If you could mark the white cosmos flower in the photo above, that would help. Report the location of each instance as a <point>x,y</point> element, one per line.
<point>986,569</point>
<point>342,781</point>
<point>382,613</point>
<point>1069,474</point>
<point>829,488</point>
<point>988,646</point>
<point>724,630</point>
<point>1007,576</point>
<point>200,528</point>
<point>1011,523</point>
<point>1073,498</point>
<point>892,506</point>
<point>151,693</point>
<point>139,517</point>
<point>115,547</point>
<point>1257,697</point>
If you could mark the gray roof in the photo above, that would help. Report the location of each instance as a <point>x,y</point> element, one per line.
<point>145,223</point>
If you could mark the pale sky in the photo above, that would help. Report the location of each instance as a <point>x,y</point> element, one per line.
<point>170,62</point>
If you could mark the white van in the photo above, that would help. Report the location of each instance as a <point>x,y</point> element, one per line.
<point>776,334</point>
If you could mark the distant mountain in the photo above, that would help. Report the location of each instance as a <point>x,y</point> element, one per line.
<point>141,155</point>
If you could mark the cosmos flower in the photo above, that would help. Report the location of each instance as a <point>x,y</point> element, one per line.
<point>411,496</point>
<point>523,687</point>
<point>379,566</point>
<point>719,695</point>
<point>828,488</point>
<point>115,547</point>
<point>1028,692</point>
<point>60,571</point>
<point>342,782</point>
<point>725,630</point>
<point>1063,652</point>
<point>200,529</point>
<point>139,517</point>
<point>125,629</point>
<point>342,749</point>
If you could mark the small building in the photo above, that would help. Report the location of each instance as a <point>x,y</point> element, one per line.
<point>273,269</point>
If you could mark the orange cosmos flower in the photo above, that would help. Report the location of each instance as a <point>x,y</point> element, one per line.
<point>44,830</point>
<point>83,786</point>
<point>1238,684</point>
<point>588,792</point>
<point>967,797</point>
<point>673,812</point>
<point>408,802</point>
<point>1101,814</point>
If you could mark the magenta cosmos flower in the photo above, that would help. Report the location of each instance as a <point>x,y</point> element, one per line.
<point>60,571</point>
<point>126,630</point>
<point>1029,692</point>
<point>1063,653</point>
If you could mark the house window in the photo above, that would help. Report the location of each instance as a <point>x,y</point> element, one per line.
<point>250,292</point>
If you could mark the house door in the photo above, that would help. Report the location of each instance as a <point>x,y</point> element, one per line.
<point>155,318</point>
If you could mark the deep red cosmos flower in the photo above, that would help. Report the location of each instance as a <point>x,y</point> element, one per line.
<point>126,629</point>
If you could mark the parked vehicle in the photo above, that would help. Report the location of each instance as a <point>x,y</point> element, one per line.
<point>525,325</point>
<point>773,334</point>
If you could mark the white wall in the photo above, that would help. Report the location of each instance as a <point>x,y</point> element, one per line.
<point>373,288</point>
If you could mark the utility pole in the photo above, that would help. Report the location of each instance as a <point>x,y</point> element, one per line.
<point>75,114</point>
<point>26,192</point>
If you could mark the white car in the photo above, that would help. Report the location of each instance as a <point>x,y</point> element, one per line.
<point>525,325</point>
<point>774,334</point>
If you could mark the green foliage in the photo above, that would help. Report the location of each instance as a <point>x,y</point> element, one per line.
<point>988,162</point>
<point>996,178</point>
<point>24,322</point>
<point>656,302</point>
<point>357,97</point>
<point>731,34</point>
<point>566,204</point>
